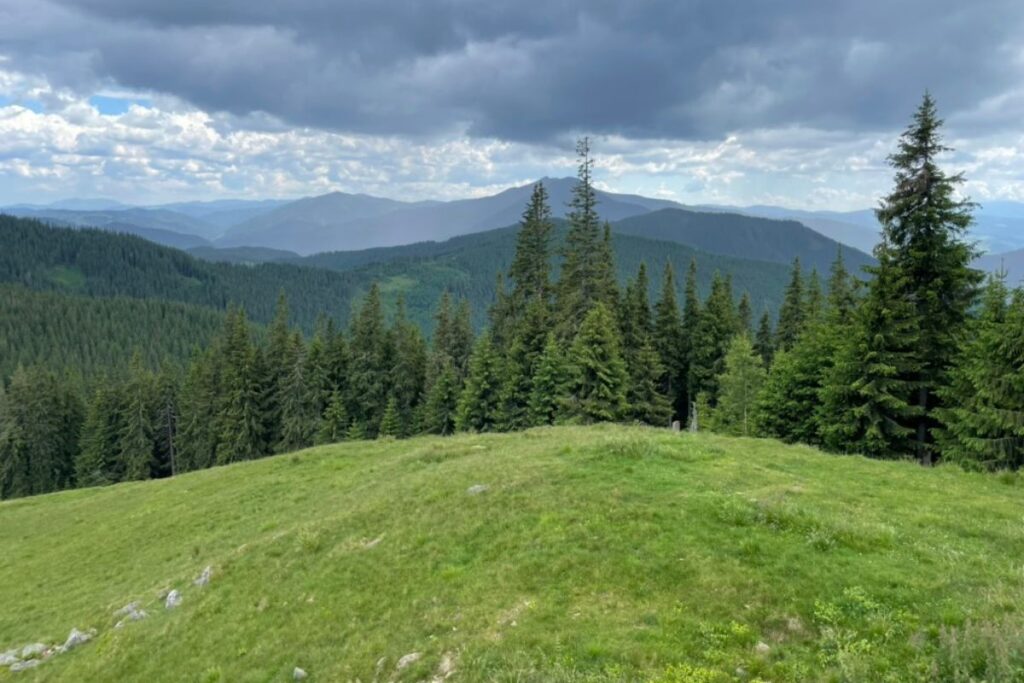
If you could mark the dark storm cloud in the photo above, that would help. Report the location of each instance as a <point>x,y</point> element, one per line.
<point>534,70</point>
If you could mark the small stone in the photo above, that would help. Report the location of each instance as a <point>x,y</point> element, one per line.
<point>204,578</point>
<point>9,657</point>
<point>762,648</point>
<point>476,489</point>
<point>676,425</point>
<point>130,612</point>
<point>408,659</point>
<point>299,674</point>
<point>76,638</point>
<point>32,650</point>
<point>741,672</point>
<point>173,599</point>
<point>24,666</point>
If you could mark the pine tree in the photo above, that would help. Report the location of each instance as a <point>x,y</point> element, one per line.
<point>478,408</point>
<point>746,315</point>
<point>199,402</point>
<point>369,363</point>
<point>165,422</point>
<point>924,228</point>
<point>764,341</point>
<point>792,311</point>
<point>691,319</point>
<point>408,370</point>
<point>548,384</point>
<point>584,255</point>
<point>97,462</point>
<point>597,377</point>
<point>716,326</point>
<point>521,360</point>
<point>983,421</point>
<point>356,431</point>
<point>530,271</point>
<point>335,422</point>
<point>299,423</point>
<point>441,404</point>
<point>739,385</point>
<point>241,416</point>
<point>842,299</point>
<point>279,366</point>
<point>814,300</point>
<point>866,395</point>
<point>135,441</point>
<point>670,343</point>
<point>390,423</point>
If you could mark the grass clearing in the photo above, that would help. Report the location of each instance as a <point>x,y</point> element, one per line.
<point>596,554</point>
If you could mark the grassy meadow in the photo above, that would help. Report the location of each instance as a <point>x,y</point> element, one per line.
<point>594,554</point>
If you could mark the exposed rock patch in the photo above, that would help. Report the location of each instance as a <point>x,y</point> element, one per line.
<point>204,578</point>
<point>173,599</point>
<point>477,489</point>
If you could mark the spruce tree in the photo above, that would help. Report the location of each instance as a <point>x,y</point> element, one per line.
<point>739,385</point>
<point>549,384</point>
<point>764,340</point>
<point>814,300</point>
<point>335,422</point>
<point>479,403</point>
<point>299,423</point>
<point>866,398</point>
<point>370,359</point>
<point>408,369</point>
<point>165,422</point>
<point>598,380</point>
<point>716,326</point>
<point>521,360</point>
<point>391,422</point>
<point>691,319</point>
<point>199,402</point>
<point>97,462</point>
<point>924,237</point>
<point>983,417</point>
<point>530,271</point>
<point>792,312</point>
<point>441,404</point>
<point>583,277</point>
<point>241,416</point>
<point>670,343</point>
<point>135,441</point>
<point>745,315</point>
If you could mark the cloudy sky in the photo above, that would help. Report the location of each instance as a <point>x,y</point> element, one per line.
<point>789,102</point>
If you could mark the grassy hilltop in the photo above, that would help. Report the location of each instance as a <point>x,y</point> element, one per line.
<point>594,554</point>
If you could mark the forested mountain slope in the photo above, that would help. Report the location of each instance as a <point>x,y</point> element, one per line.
<point>88,336</point>
<point>467,265</point>
<point>747,237</point>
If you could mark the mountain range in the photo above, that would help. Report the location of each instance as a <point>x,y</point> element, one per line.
<point>244,231</point>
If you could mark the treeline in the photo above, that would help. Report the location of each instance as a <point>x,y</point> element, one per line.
<point>902,365</point>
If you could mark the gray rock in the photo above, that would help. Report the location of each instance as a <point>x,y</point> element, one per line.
<point>76,638</point>
<point>26,665</point>
<point>173,599</point>
<point>130,612</point>
<point>204,578</point>
<point>32,650</point>
<point>9,657</point>
<point>762,648</point>
<point>408,659</point>
<point>676,426</point>
<point>477,489</point>
<point>299,674</point>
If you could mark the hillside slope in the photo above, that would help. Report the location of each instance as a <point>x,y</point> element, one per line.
<point>594,554</point>
<point>748,237</point>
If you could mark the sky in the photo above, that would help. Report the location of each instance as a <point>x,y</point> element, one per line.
<point>789,102</point>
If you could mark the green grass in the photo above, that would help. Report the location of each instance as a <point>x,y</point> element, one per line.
<point>597,554</point>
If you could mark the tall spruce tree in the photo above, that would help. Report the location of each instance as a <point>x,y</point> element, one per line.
<point>670,343</point>
<point>335,422</point>
<point>598,380</point>
<point>924,238</point>
<point>408,370</point>
<point>241,417</point>
<point>792,311</point>
<point>691,319</point>
<point>583,281</point>
<point>530,271</point>
<point>370,358</point>
<point>745,315</point>
<point>135,442</point>
<point>716,326</point>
